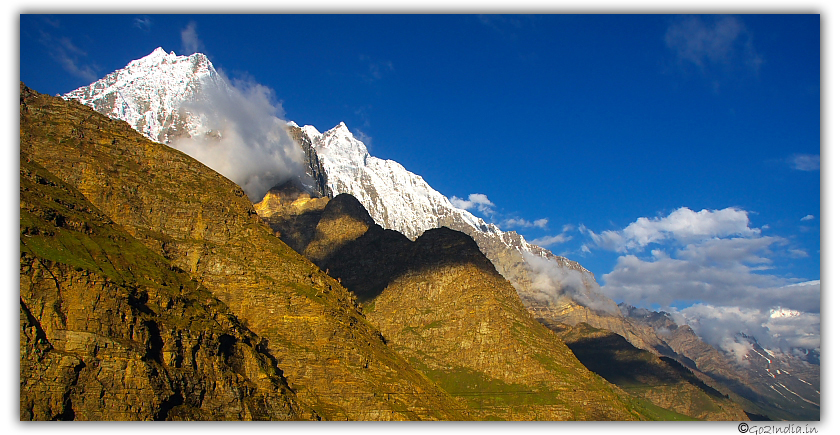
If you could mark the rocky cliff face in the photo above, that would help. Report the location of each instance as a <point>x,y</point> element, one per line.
<point>462,324</point>
<point>111,331</point>
<point>332,358</point>
<point>314,168</point>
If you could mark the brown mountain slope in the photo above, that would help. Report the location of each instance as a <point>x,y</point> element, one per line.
<point>332,357</point>
<point>442,305</point>
<point>110,331</point>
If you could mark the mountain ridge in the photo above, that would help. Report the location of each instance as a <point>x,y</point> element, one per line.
<point>519,262</point>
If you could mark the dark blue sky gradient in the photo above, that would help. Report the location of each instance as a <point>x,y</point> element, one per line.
<point>582,119</point>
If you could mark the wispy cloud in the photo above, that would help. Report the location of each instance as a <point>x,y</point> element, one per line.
<point>809,217</point>
<point>711,41</point>
<point>376,69</point>
<point>189,40</point>
<point>805,162</point>
<point>556,239</point>
<point>364,137</point>
<point>551,282</point>
<point>518,222</point>
<point>475,200</point>
<point>551,240</point>
<point>69,56</point>
<point>143,23</point>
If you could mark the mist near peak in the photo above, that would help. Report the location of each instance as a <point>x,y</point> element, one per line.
<point>551,282</point>
<point>242,135</point>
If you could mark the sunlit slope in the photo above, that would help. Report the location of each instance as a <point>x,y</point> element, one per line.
<point>111,331</point>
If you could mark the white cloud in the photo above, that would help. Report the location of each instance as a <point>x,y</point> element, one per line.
<point>143,23</point>
<point>551,282</point>
<point>710,277</point>
<point>805,162</point>
<point>523,223</point>
<point>716,265</point>
<point>475,200</point>
<point>725,327</point>
<point>249,144</point>
<point>189,40</point>
<point>807,218</point>
<point>563,237</point>
<point>683,225</point>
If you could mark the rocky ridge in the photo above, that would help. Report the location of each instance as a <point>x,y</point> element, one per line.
<point>333,359</point>
<point>774,385</point>
<point>153,95</point>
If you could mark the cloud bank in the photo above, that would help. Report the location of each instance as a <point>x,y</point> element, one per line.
<point>715,271</point>
<point>682,225</point>
<point>776,329</point>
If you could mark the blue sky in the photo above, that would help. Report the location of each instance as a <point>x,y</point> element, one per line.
<point>675,156</point>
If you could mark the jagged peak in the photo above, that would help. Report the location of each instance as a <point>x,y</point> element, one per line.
<point>340,130</point>
<point>340,141</point>
<point>157,56</point>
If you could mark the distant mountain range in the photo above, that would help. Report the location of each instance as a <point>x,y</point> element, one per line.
<point>161,96</point>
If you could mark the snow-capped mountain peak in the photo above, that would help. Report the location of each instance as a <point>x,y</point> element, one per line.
<point>784,312</point>
<point>149,92</point>
<point>340,143</point>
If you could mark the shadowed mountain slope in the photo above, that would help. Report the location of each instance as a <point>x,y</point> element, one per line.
<point>662,380</point>
<point>332,357</point>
